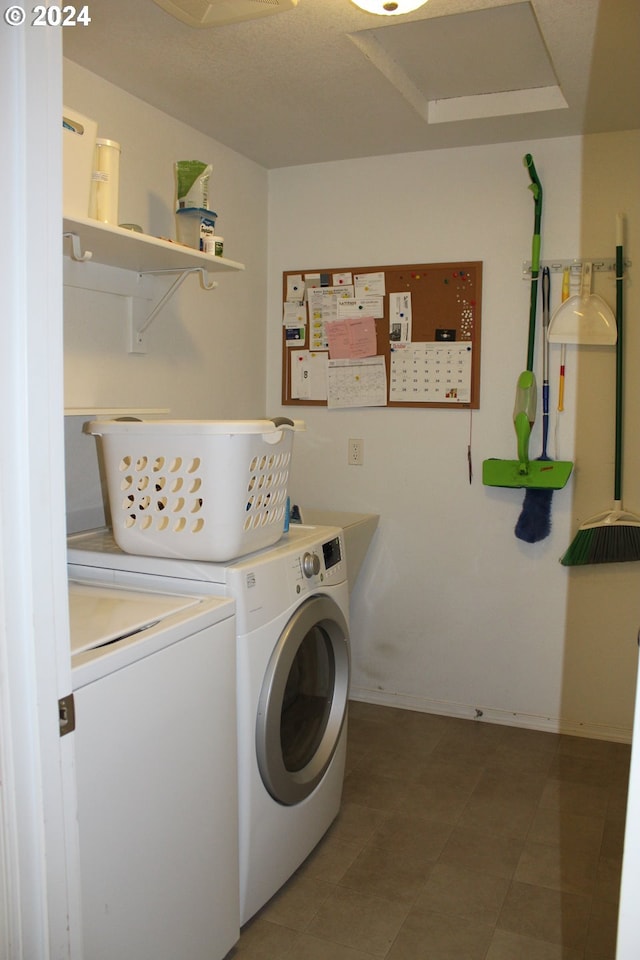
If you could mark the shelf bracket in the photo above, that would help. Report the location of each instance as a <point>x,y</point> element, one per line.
<point>136,338</point>
<point>76,250</point>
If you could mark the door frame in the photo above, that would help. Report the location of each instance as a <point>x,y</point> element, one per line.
<point>39,899</point>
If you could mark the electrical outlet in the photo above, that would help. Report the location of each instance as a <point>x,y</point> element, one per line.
<point>356,453</point>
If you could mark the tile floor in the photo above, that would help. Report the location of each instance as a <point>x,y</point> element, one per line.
<point>458,840</point>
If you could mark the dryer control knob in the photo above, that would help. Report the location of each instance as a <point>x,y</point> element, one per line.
<point>311,564</point>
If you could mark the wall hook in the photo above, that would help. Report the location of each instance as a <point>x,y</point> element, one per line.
<point>76,251</point>
<point>205,280</point>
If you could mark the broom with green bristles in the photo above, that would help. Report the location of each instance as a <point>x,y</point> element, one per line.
<point>613,536</point>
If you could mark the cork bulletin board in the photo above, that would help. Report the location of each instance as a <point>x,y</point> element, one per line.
<point>398,336</point>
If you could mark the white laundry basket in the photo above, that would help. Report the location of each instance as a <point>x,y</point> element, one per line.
<point>196,489</point>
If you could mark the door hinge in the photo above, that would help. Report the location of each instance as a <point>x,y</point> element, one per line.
<point>67,714</point>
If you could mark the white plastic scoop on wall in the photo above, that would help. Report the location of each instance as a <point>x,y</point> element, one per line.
<point>585,318</point>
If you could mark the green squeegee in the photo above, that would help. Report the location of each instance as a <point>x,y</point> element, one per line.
<point>535,474</point>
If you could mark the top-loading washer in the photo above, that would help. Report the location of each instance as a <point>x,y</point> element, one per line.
<point>292,645</point>
<point>156,772</point>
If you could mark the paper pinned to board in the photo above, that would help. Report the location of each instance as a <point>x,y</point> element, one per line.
<point>322,303</point>
<point>357,383</point>
<point>369,284</point>
<point>309,375</point>
<point>400,317</point>
<point>294,323</point>
<point>294,314</point>
<point>352,338</point>
<point>360,307</point>
<point>295,288</point>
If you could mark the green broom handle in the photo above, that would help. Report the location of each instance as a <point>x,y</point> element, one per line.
<point>536,188</point>
<point>619,354</point>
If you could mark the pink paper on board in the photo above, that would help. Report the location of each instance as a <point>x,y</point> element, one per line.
<point>352,339</point>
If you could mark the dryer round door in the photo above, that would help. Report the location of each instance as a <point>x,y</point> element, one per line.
<point>303,701</point>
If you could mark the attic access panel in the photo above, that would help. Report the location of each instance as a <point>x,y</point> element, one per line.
<point>216,13</point>
<point>478,64</point>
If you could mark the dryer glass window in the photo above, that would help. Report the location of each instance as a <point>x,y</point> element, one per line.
<point>307,699</point>
<point>303,701</point>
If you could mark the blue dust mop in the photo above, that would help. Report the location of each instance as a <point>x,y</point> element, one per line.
<point>534,522</point>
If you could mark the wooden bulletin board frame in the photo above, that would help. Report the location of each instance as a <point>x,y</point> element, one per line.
<point>446,305</point>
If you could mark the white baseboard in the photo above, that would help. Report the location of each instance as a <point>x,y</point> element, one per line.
<point>445,708</point>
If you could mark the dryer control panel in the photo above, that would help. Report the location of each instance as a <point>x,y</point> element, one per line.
<point>322,563</point>
<point>327,556</point>
<point>274,581</point>
<point>332,552</point>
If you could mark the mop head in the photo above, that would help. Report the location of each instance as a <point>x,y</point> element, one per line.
<point>612,537</point>
<point>534,522</point>
<point>534,475</point>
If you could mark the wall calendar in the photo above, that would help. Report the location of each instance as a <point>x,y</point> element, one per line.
<point>430,373</point>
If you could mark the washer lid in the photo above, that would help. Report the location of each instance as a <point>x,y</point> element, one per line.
<point>101,614</point>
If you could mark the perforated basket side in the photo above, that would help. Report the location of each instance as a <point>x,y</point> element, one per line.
<point>267,486</point>
<point>210,498</point>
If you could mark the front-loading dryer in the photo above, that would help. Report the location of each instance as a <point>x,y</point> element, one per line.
<point>292,646</point>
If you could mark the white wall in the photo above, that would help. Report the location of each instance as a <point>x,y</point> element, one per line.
<point>206,349</point>
<point>451,612</point>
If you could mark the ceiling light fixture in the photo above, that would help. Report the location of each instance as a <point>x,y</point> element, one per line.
<point>389,8</point>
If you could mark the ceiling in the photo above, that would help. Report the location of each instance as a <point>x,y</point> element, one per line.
<point>325,81</point>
